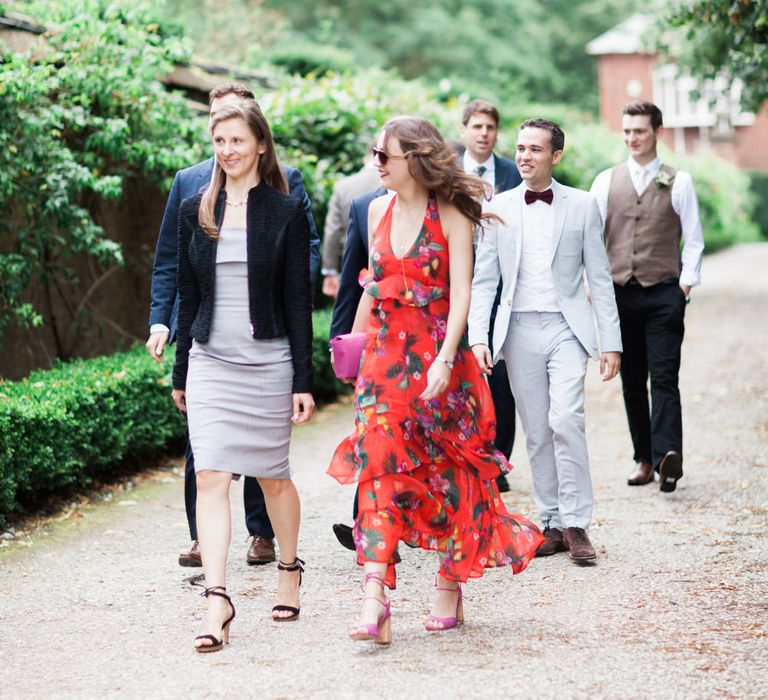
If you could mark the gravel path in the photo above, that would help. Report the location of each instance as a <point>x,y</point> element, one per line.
<point>94,605</point>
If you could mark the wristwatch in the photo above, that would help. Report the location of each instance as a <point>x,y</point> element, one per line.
<point>448,363</point>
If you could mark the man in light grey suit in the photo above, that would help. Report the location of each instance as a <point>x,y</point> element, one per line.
<point>546,238</point>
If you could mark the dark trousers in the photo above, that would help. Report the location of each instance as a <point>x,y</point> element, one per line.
<point>256,518</point>
<point>501,393</point>
<point>652,328</point>
<point>504,405</point>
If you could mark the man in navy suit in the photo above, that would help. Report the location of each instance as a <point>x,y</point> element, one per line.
<point>479,131</point>
<point>162,321</point>
<point>355,259</point>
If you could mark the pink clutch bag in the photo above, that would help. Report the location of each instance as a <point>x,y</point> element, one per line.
<point>346,350</point>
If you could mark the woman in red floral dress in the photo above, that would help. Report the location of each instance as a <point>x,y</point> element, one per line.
<point>423,448</point>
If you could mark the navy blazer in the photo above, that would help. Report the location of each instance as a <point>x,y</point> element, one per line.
<point>355,259</point>
<point>164,304</point>
<point>506,175</point>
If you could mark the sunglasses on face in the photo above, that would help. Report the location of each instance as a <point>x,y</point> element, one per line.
<point>383,156</point>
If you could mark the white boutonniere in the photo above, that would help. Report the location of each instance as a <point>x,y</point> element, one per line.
<point>663,179</point>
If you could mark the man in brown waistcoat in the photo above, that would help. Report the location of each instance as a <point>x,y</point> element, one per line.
<point>648,207</point>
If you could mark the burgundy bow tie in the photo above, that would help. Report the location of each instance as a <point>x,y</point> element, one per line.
<point>545,196</point>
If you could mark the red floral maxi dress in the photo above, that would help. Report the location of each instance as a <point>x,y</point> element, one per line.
<point>426,470</point>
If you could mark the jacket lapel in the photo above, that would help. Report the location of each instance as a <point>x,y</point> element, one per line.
<point>510,246</point>
<point>517,229</point>
<point>204,176</point>
<point>257,231</point>
<point>500,175</point>
<point>560,203</point>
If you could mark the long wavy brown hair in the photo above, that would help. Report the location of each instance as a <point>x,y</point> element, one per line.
<point>269,169</point>
<point>434,165</point>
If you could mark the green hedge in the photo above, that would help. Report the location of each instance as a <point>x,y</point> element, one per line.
<point>327,387</point>
<point>759,186</point>
<point>63,427</point>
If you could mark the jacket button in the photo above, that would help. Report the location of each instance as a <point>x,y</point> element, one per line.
<point>509,302</point>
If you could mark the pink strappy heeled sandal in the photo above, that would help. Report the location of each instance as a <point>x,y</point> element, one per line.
<point>439,624</point>
<point>381,631</point>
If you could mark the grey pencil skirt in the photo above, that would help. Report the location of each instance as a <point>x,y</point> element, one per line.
<point>240,414</point>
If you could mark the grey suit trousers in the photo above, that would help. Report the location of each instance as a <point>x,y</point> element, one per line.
<point>547,365</point>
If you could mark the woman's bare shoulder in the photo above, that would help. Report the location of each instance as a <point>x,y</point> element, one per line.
<point>451,218</point>
<point>376,211</point>
<point>379,205</point>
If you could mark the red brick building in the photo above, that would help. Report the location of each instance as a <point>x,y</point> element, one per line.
<point>629,68</point>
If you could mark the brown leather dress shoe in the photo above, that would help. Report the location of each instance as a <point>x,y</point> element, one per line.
<point>192,556</point>
<point>670,471</point>
<point>261,551</point>
<point>553,543</point>
<point>642,475</point>
<point>579,547</point>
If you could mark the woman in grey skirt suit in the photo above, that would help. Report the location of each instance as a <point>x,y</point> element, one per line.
<point>243,369</point>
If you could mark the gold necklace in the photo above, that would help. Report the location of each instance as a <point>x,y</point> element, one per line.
<point>237,204</point>
<point>410,218</point>
<point>408,292</point>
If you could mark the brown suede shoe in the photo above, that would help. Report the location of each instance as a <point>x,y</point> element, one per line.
<point>642,475</point>
<point>553,543</point>
<point>261,551</point>
<point>579,547</point>
<point>192,556</point>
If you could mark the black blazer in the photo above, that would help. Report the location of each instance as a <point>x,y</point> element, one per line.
<point>187,183</point>
<point>279,293</point>
<point>355,259</point>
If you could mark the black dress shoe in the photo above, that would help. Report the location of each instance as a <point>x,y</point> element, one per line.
<point>502,483</point>
<point>344,535</point>
<point>670,471</point>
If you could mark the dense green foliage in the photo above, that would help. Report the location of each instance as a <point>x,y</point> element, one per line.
<point>78,114</point>
<point>759,182</point>
<point>532,49</point>
<point>63,427</point>
<point>727,37</point>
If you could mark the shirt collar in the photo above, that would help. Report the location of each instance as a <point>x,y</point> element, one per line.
<point>651,168</point>
<point>550,186</point>
<point>470,163</point>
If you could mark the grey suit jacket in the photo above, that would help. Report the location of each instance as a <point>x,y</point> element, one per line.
<point>337,220</point>
<point>578,248</point>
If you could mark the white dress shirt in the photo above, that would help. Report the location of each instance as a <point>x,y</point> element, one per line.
<point>535,288</point>
<point>470,165</point>
<point>684,203</point>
